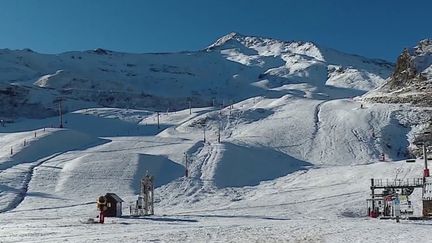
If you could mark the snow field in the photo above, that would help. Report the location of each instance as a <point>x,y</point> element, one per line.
<point>254,186</point>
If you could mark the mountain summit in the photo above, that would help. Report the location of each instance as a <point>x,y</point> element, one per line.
<point>235,67</point>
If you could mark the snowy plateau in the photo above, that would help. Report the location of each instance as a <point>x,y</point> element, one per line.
<point>300,138</point>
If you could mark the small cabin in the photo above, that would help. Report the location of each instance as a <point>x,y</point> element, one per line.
<point>114,203</point>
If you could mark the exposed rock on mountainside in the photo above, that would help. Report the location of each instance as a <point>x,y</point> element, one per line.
<point>411,81</point>
<point>405,73</point>
<point>413,68</point>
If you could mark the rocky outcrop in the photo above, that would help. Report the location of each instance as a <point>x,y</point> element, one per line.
<point>412,68</point>
<point>405,72</point>
<point>411,81</point>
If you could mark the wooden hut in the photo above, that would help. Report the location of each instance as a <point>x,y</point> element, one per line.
<point>114,204</point>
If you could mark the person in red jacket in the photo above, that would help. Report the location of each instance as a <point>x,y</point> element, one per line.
<point>102,207</point>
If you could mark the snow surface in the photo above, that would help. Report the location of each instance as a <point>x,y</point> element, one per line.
<point>294,163</point>
<point>288,169</point>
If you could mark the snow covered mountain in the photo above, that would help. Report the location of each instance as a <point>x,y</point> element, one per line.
<point>280,144</point>
<point>235,67</point>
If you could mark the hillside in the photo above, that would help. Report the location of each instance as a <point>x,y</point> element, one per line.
<point>299,144</point>
<point>234,68</point>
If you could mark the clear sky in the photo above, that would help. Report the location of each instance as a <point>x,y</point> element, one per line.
<point>372,28</point>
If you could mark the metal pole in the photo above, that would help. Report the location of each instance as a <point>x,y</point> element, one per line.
<point>373,195</point>
<point>152,196</point>
<point>186,166</point>
<point>158,120</point>
<point>146,202</point>
<point>60,114</point>
<point>425,156</point>
<point>204,135</point>
<point>190,108</point>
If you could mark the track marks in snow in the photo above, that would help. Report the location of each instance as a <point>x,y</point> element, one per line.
<point>317,121</point>
<point>23,191</point>
<point>204,158</point>
<point>209,165</point>
<point>316,128</point>
<point>373,136</point>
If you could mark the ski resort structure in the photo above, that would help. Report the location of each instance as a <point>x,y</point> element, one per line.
<point>144,205</point>
<point>390,198</point>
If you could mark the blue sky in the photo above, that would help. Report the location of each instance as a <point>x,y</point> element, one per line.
<point>372,28</point>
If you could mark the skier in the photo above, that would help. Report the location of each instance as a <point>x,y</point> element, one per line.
<point>382,157</point>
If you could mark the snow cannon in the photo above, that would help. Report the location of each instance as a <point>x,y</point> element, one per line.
<point>102,206</point>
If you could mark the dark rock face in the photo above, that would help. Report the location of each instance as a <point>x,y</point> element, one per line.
<point>405,73</point>
<point>411,81</point>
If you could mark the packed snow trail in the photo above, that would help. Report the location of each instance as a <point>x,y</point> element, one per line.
<point>271,208</point>
<point>25,184</point>
<point>317,124</point>
<point>18,170</point>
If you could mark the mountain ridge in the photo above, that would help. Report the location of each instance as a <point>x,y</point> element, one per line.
<point>235,67</point>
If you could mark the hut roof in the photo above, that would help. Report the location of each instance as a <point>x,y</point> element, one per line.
<point>114,196</point>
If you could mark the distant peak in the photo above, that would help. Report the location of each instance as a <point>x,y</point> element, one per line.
<point>232,35</point>
<point>101,51</point>
<point>426,42</point>
<point>224,39</point>
<point>424,46</point>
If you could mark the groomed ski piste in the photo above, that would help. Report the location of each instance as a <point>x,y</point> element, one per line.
<point>308,185</point>
<point>299,145</point>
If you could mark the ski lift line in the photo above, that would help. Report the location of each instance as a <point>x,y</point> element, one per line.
<point>398,171</point>
<point>85,177</point>
<point>273,205</point>
<point>406,173</point>
<point>100,91</point>
<point>48,208</point>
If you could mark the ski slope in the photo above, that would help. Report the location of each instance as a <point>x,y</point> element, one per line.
<point>287,169</point>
